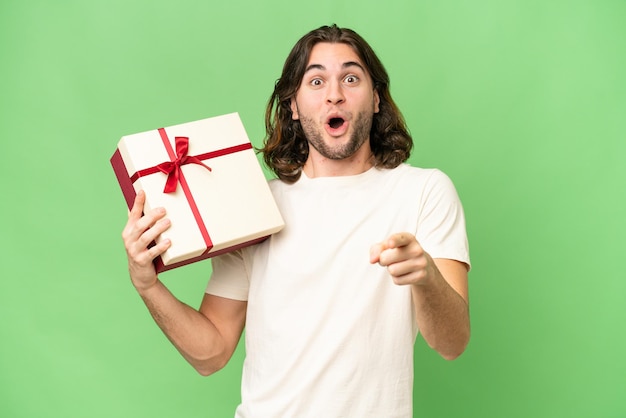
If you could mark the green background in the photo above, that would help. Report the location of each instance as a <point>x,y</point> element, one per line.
<point>522,103</point>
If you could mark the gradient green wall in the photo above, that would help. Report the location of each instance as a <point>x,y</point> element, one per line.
<point>522,103</point>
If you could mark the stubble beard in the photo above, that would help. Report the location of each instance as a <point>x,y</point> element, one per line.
<point>361,125</point>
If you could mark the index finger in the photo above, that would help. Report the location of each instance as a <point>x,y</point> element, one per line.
<point>400,239</point>
<point>137,208</point>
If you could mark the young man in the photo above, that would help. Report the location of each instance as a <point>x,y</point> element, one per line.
<point>372,251</point>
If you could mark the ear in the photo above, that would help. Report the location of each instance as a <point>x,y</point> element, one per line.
<point>294,109</point>
<point>376,101</point>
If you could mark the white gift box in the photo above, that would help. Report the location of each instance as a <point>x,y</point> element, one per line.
<point>218,198</point>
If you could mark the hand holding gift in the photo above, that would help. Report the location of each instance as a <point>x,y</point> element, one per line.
<point>139,232</point>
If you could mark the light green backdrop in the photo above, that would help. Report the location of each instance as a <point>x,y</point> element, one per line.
<point>522,103</point>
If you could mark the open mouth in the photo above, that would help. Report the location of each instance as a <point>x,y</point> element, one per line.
<point>335,122</point>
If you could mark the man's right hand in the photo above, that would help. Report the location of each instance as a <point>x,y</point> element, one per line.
<point>139,232</point>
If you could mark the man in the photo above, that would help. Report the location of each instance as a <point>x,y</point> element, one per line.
<point>372,251</point>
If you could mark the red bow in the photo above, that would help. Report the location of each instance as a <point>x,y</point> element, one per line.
<point>172,168</point>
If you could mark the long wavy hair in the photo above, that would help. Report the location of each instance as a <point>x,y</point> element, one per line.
<point>286,148</point>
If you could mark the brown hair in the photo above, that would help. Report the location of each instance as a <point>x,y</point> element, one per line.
<point>286,148</point>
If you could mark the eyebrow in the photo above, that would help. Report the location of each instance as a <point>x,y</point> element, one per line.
<point>347,64</point>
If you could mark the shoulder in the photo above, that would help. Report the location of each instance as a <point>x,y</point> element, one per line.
<point>430,186</point>
<point>422,177</point>
<point>277,186</point>
<point>281,190</point>
<point>419,172</point>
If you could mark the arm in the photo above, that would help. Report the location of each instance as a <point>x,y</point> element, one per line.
<point>207,337</point>
<point>439,288</point>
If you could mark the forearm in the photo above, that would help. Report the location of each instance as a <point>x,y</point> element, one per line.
<point>193,335</point>
<point>442,317</point>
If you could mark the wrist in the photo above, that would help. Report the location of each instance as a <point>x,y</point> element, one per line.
<point>431,278</point>
<point>144,284</point>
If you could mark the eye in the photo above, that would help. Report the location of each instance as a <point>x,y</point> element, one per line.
<point>351,79</point>
<point>316,82</point>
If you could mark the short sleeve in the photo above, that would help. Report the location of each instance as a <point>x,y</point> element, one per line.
<point>229,278</point>
<point>441,224</point>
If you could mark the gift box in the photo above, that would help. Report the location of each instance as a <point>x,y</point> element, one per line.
<point>207,177</point>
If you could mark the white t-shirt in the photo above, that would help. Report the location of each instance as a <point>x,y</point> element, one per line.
<point>327,333</point>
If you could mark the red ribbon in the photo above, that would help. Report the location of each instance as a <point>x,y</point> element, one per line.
<point>173,168</point>
<point>189,159</point>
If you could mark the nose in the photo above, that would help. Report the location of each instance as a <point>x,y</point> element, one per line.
<point>334,94</point>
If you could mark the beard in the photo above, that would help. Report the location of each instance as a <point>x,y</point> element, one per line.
<point>361,127</point>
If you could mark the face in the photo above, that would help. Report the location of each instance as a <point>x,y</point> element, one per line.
<point>336,102</point>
